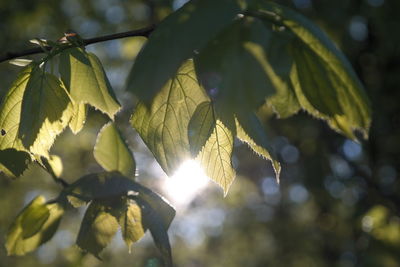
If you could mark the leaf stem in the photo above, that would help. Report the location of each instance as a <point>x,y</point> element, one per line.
<point>46,166</point>
<point>37,50</point>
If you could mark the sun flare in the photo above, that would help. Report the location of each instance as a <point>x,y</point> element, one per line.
<point>187,182</point>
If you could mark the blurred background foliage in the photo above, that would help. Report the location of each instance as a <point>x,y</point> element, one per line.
<point>338,203</point>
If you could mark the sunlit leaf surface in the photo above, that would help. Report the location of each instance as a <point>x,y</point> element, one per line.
<point>164,125</point>
<point>325,83</point>
<point>86,81</point>
<point>35,225</point>
<point>112,153</point>
<point>98,227</point>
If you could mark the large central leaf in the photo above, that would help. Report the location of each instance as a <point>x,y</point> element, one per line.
<point>175,40</point>
<point>163,126</point>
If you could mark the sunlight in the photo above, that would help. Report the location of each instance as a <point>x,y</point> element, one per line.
<point>188,181</point>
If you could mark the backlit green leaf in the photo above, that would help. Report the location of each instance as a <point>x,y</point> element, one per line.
<point>163,126</point>
<point>344,103</point>
<point>215,156</point>
<point>250,130</point>
<point>46,110</point>
<point>86,81</point>
<point>98,228</point>
<point>130,220</point>
<point>35,225</point>
<point>79,118</point>
<point>10,112</point>
<point>112,153</point>
<point>175,40</point>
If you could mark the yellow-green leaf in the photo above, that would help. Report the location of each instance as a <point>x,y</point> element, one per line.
<point>35,225</point>
<point>163,126</point>
<point>130,221</point>
<point>10,111</point>
<point>348,107</point>
<point>86,81</point>
<point>112,153</point>
<point>174,40</point>
<point>45,112</point>
<point>97,229</point>
<point>79,118</point>
<point>216,155</point>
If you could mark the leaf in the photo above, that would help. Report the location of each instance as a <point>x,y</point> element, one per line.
<point>154,222</point>
<point>14,162</point>
<point>284,102</point>
<point>215,156</point>
<point>164,126</point>
<point>349,108</point>
<point>35,225</point>
<point>79,118</point>
<point>233,66</point>
<point>46,110</point>
<point>316,90</point>
<point>21,62</point>
<point>130,220</point>
<point>97,229</point>
<point>10,111</point>
<point>112,153</point>
<point>113,184</point>
<point>250,130</point>
<point>86,81</point>
<point>174,41</point>
<point>201,126</point>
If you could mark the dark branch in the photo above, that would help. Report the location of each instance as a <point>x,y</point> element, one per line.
<point>37,50</point>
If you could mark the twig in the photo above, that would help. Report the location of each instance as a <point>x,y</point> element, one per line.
<point>37,50</point>
<point>47,167</point>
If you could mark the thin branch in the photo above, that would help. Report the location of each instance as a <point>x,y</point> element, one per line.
<point>37,50</point>
<point>47,167</point>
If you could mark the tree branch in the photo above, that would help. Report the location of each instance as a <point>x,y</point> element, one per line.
<point>37,50</point>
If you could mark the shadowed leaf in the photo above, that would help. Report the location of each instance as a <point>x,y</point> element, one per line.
<point>173,42</point>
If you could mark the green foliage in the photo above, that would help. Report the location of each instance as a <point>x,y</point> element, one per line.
<point>87,83</point>
<point>35,225</point>
<point>112,153</point>
<point>175,40</point>
<point>98,227</point>
<point>324,81</point>
<point>199,83</point>
<point>163,125</point>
